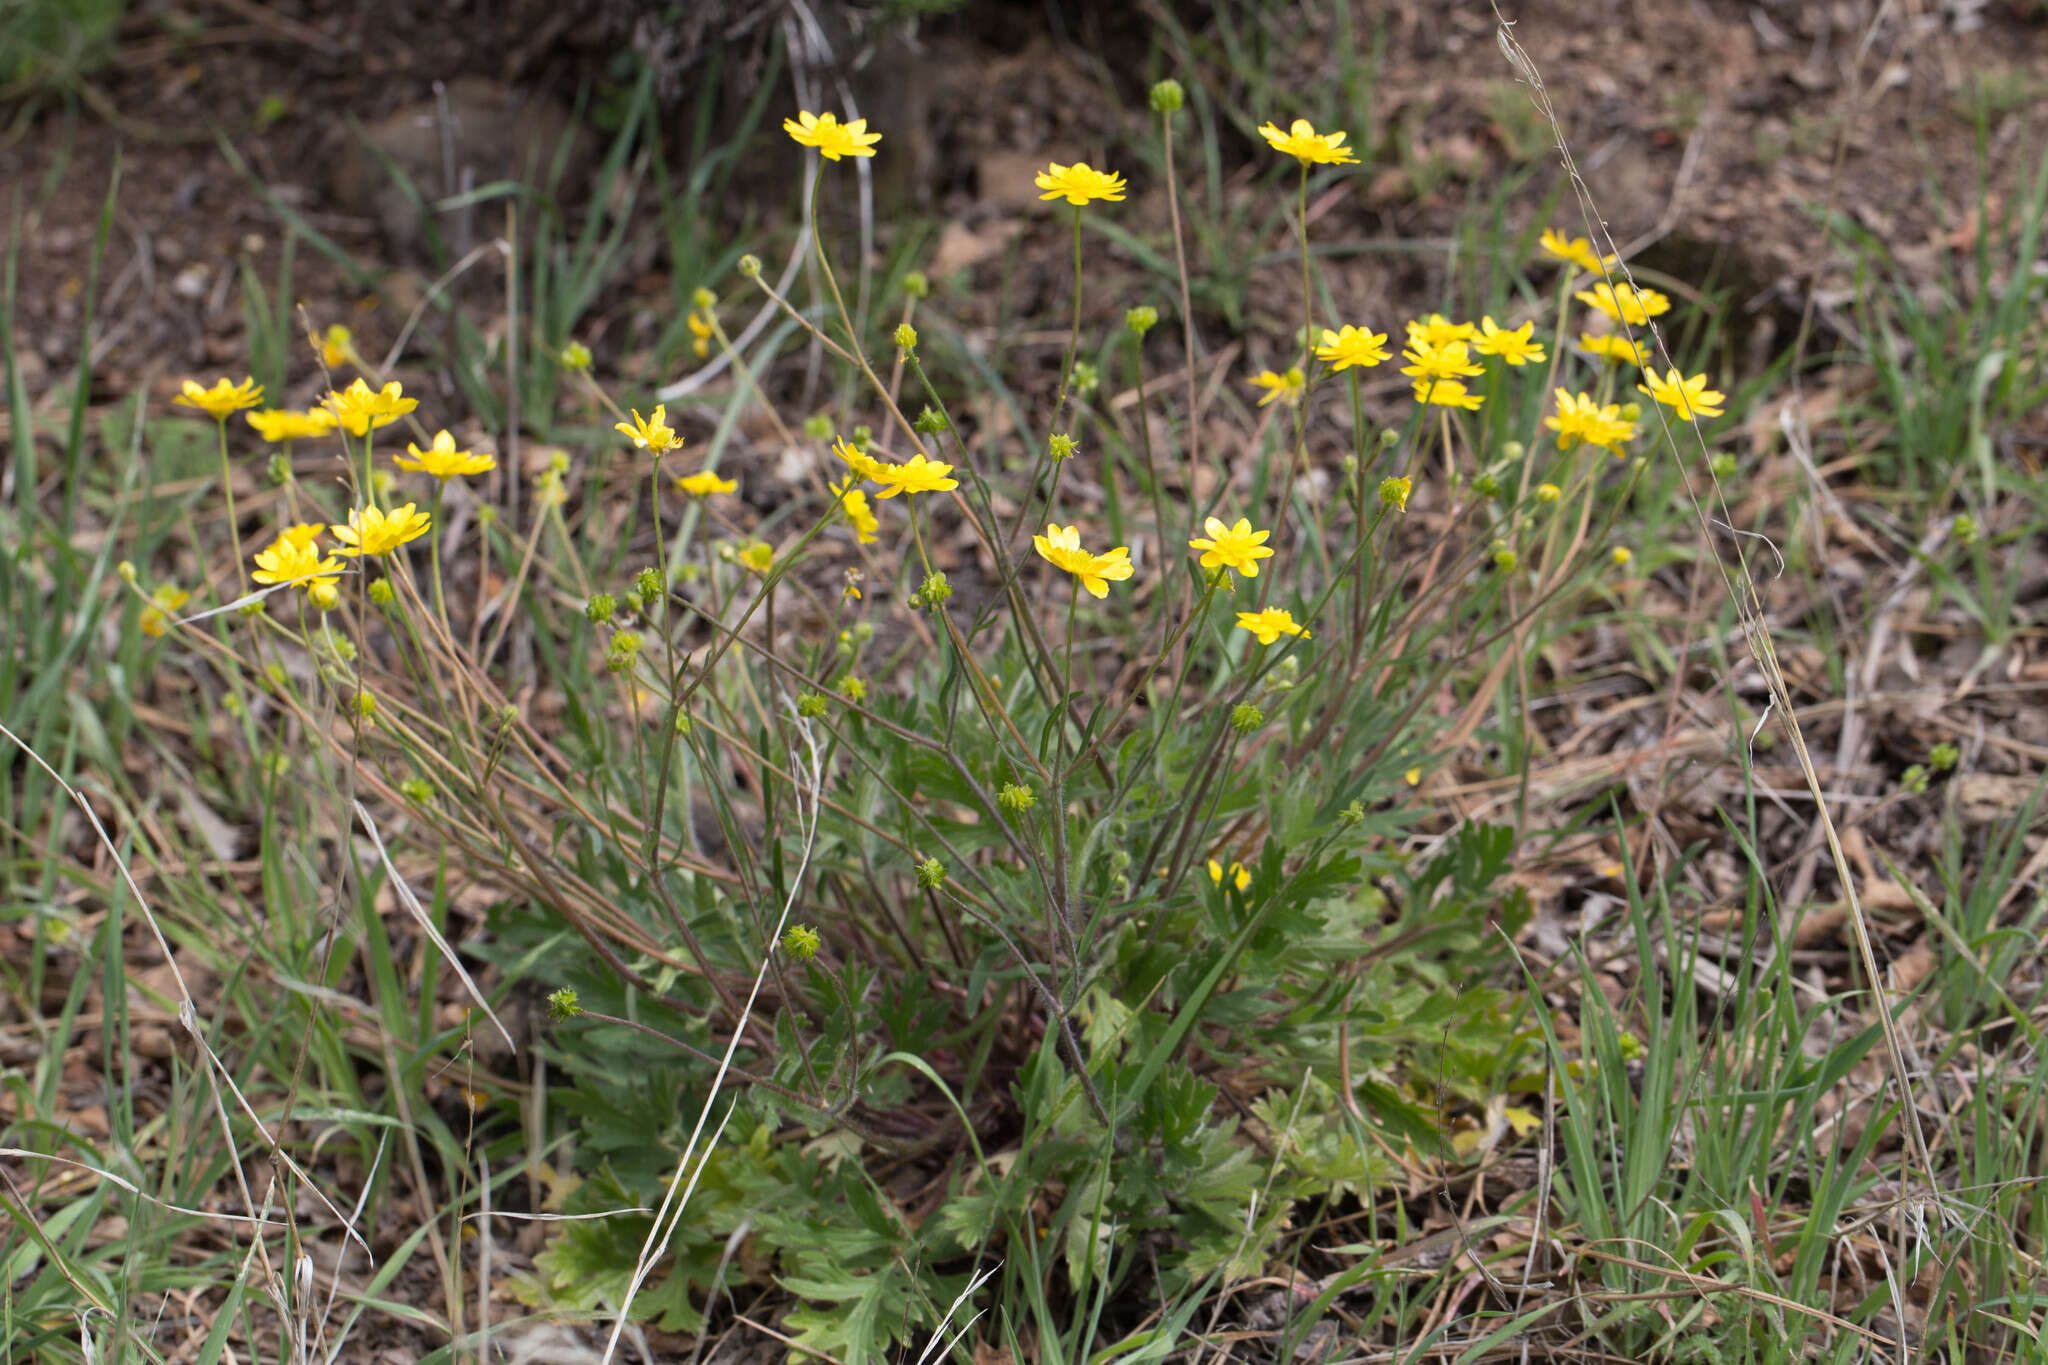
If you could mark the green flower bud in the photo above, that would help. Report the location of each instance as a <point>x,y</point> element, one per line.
<point>1394,493</point>
<point>702,299</point>
<point>863,631</point>
<point>1086,378</point>
<point>1168,97</point>
<point>916,285</point>
<point>801,942</point>
<point>682,722</point>
<point>382,481</point>
<point>930,422</point>
<point>750,265</point>
<point>600,608</point>
<point>126,570</point>
<point>1723,465</point>
<point>417,790</point>
<point>648,584</point>
<point>1505,559</point>
<point>1061,446</point>
<point>1352,814</point>
<point>1943,756</point>
<point>1548,493</point>
<point>905,337</point>
<point>382,593</point>
<point>366,708</point>
<point>1967,530</point>
<point>811,705</point>
<point>256,608</point>
<point>575,356</point>
<point>234,706</point>
<point>1631,412</point>
<point>863,437</point>
<point>853,689</point>
<point>818,427</point>
<point>1913,780</point>
<point>1389,438</point>
<point>278,471</point>
<point>1142,319</point>
<point>1486,485</point>
<point>562,1004</point>
<point>931,874</point>
<point>1245,718</point>
<point>936,591</point>
<point>1016,797</point>
<point>624,648</point>
<point>487,515</point>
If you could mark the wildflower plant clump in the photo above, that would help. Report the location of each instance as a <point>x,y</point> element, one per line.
<point>995,801</point>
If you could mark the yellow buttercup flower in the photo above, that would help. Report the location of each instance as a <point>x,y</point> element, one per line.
<point>1352,346</point>
<point>1281,388</point>
<point>1236,547</point>
<point>1688,398</point>
<point>1272,623</point>
<point>1516,347</point>
<point>866,527</point>
<point>443,460</point>
<point>1575,251</point>
<point>704,483</point>
<point>1450,360</point>
<point>1621,555</point>
<point>1302,142</point>
<point>1618,349</point>
<point>832,138</point>
<point>1060,546</point>
<point>700,333</point>
<point>289,560</point>
<point>373,531</point>
<point>156,617</point>
<point>285,425</point>
<point>1239,877</point>
<point>337,347</point>
<point>1625,302</point>
<point>359,407</point>
<point>305,533</point>
<point>1437,330</point>
<point>864,465</point>
<point>917,475</point>
<point>220,400</point>
<point>1447,393</point>
<point>649,433</point>
<point>1079,183</point>
<point>1579,418</point>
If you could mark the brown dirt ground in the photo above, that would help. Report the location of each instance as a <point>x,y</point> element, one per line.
<point>1706,131</point>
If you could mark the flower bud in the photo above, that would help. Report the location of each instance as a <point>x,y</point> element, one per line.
<point>126,569</point>
<point>931,874</point>
<point>1511,451</point>
<point>750,265</point>
<point>818,427</point>
<point>648,584</point>
<point>1548,493</point>
<point>1723,465</point>
<point>1943,756</point>
<point>811,705</point>
<point>1060,447</point>
<point>1168,97</point>
<point>1016,797</point>
<point>936,591</point>
<point>853,689</point>
<point>574,356</point>
<point>1967,529</point>
<point>381,592</point>
<point>1394,493</point>
<point>417,790</point>
<point>916,285</point>
<point>1245,718</point>
<point>702,299</point>
<point>905,337</point>
<point>930,422</point>
<point>1389,438</point>
<point>1086,378</point>
<point>600,608</point>
<point>1621,555</point>
<point>324,596</point>
<point>1142,319</point>
<point>562,1004</point>
<point>278,470</point>
<point>801,942</point>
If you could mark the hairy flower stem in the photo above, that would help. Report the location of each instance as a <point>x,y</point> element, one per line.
<point>1074,340</point>
<point>227,483</point>
<point>1300,451</point>
<point>1187,311</point>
